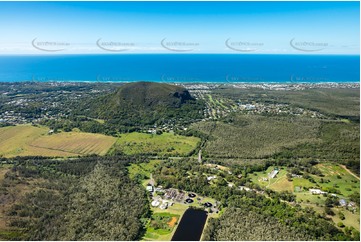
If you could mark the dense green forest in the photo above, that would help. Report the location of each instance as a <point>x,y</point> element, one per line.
<point>90,198</point>
<point>248,223</point>
<point>239,224</point>
<point>337,141</point>
<point>254,136</point>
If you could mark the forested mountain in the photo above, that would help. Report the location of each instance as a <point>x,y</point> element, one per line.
<point>145,103</point>
<point>150,95</point>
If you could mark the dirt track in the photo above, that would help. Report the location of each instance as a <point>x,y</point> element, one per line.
<point>344,167</point>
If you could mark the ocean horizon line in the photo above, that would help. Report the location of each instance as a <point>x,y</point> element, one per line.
<point>190,82</point>
<point>124,54</point>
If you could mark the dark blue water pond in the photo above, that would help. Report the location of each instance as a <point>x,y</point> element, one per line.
<point>191,226</point>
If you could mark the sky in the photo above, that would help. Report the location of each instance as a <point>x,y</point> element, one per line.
<point>179,27</point>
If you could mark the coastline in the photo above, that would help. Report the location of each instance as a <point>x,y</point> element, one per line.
<point>205,86</point>
<point>270,83</point>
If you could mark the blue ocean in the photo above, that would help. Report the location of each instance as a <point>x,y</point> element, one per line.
<point>181,68</point>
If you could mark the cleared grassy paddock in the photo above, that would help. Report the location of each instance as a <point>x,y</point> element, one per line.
<point>164,144</point>
<point>335,175</point>
<point>15,141</point>
<point>27,140</point>
<point>76,142</point>
<point>143,169</point>
<point>161,226</point>
<point>338,178</point>
<point>279,183</point>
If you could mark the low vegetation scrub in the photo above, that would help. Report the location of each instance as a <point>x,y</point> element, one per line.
<point>256,136</point>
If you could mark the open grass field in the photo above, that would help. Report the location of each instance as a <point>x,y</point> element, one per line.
<point>143,169</point>
<point>27,140</point>
<point>164,144</point>
<point>339,178</point>
<point>282,184</point>
<point>76,142</point>
<point>309,199</point>
<point>352,219</point>
<point>161,226</point>
<point>302,183</point>
<point>279,183</point>
<point>15,141</point>
<point>176,210</point>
